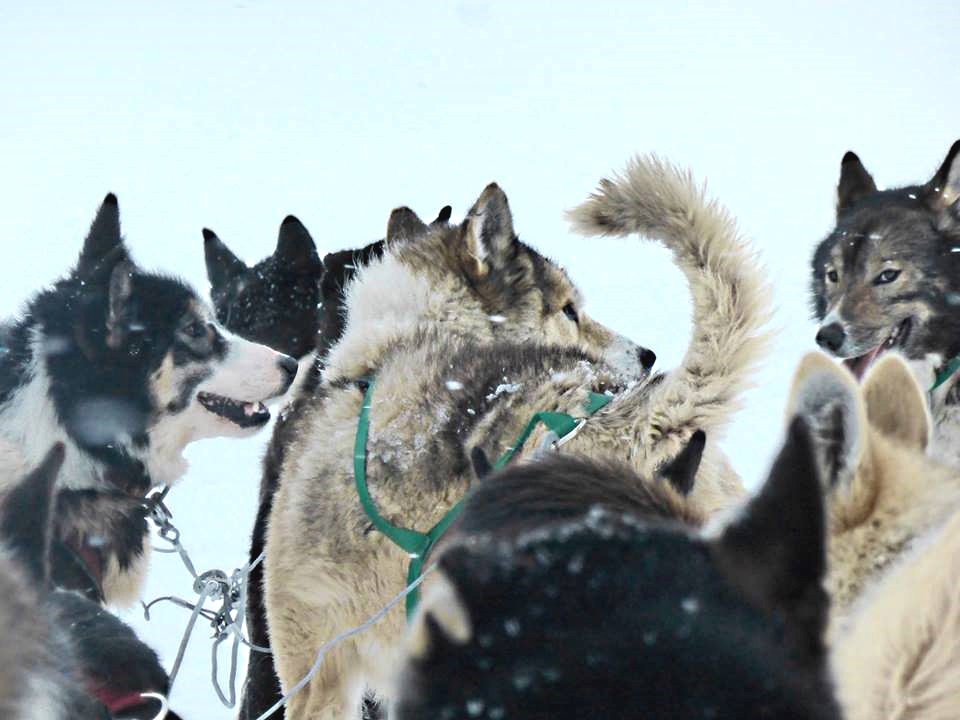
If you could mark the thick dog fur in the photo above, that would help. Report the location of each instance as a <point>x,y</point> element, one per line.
<point>469,332</point>
<point>63,656</point>
<point>37,676</point>
<point>883,492</point>
<point>730,302</point>
<point>886,278</point>
<point>620,614</point>
<point>899,658</point>
<point>262,687</point>
<point>116,363</point>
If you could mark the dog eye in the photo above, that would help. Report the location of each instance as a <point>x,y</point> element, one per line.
<point>571,312</point>
<point>887,276</point>
<point>832,275</point>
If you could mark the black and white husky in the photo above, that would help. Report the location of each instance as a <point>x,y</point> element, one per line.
<point>125,368</point>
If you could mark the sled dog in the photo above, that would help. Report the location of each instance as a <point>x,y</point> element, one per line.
<point>625,613</point>
<point>261,687</point>
<point>886,278</point>
<point>124,367</point>
<point>884,492</point>
<point>465,334</point>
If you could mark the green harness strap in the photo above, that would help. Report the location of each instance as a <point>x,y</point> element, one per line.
<point>418,544</point>
<point>946,373</point>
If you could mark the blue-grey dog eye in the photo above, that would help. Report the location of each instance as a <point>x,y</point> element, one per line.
<point>887,276</point>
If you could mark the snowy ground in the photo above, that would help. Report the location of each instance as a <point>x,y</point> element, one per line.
<point>231,114</point>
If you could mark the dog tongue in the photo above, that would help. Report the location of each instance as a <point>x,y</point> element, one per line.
<point>859,365</point>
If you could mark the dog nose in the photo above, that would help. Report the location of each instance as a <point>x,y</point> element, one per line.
<point>647,358</point>
<point>831,337</point>
<point>289,367</point>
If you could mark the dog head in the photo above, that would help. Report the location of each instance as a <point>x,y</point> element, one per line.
<point>275,301</point>
<point>291,300</point>
<point>475,279</point>
<point>631,615</point>
<point>882,490</point>
<point>136,365</point>
<point>884,277</point>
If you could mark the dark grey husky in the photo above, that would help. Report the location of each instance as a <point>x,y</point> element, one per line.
<point>887,277</point>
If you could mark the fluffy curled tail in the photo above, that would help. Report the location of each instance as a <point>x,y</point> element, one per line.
<point>730,299</point>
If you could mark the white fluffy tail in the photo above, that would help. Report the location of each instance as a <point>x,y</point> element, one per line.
<point>730,299</point>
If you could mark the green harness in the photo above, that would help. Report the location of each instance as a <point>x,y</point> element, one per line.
<point>417,544</point>
<point>946,373</point>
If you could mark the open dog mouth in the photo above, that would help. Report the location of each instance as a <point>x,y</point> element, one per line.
<point>897,339</point>
<point>242,414</point>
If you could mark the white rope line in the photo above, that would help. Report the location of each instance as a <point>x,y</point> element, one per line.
<point>328,646</point>
<point>164,706</point>
<point>227,620</point>
<point>240,581</point>
<point>208,590</point>
<point>214,584</point>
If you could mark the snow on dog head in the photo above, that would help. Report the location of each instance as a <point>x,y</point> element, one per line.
<point>475,279</point>
<point>137,363</point>
<point>125,367</point>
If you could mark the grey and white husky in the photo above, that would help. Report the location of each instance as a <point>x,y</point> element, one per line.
<point>468,332</point>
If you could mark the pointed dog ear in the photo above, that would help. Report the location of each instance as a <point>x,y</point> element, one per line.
<point>119,310</point>
<point>443,216</point>
<point>896,406</point>
<point>404,224</point>
<point>103,239</point>
<point>944,187</point>
<point>295,247</point>
<point>828,399</point>
<point>488,232</point>
<point>681,471</point>
<point>26,516</point>
<point>222,265</point>
<point>855,183</point>
<point>443,619</point>
<point>775,550</point>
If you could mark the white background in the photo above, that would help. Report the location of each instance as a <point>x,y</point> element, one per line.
<point>231,114</point>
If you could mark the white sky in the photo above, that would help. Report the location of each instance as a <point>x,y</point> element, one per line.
<point>231,114</point>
